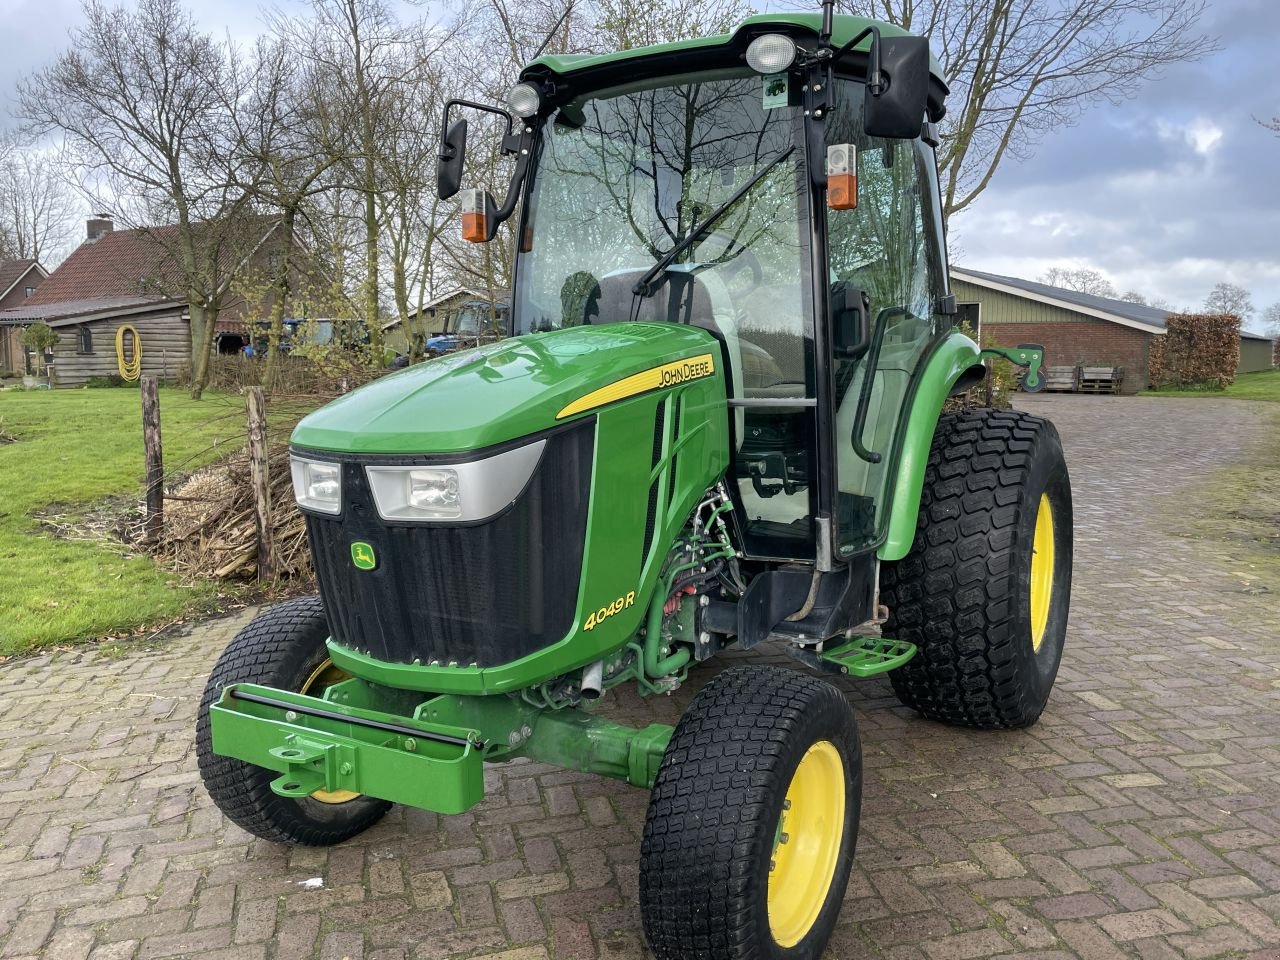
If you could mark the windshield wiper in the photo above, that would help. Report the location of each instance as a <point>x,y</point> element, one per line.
<point>645,285</point>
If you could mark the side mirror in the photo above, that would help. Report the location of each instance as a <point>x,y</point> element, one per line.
<point>897,112</point>
<point>850,320</point>
<point>453,150</point>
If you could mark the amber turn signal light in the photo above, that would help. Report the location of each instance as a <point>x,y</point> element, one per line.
<point>477,208</point>
<point>842,176</point>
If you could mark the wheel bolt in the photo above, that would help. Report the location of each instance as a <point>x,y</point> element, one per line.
<point>784,838</point>
<point>773,865</point>
<point>786,804</point>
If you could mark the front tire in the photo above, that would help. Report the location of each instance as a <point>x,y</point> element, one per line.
<point>985,589</point>
<point>753,820</point>
<point>284,647</point>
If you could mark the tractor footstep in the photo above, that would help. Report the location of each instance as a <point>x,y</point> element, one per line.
<point>868,656</point>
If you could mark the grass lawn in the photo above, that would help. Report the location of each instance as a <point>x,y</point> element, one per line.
<point>1263,385</point>
<point>76,447</point>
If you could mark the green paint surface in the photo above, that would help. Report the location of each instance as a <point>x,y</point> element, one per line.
<point>502,391</point>
<point>953,356</point>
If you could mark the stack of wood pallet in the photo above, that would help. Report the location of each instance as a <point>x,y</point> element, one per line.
<point>1082,379</point>
<point>1101,379</point>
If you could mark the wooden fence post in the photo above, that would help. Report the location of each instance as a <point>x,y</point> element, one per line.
<point>154,524</point>
<point>261,482</point>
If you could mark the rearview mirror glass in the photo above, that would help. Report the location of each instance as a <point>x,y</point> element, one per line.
<point>452,153</point>
<point>898,113</point>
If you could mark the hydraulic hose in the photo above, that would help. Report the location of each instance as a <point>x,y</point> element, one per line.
<point>130,369</point>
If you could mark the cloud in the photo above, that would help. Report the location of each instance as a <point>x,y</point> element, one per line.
<point>1168,193</point>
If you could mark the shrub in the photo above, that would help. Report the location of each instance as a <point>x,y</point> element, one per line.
<point>40,339</point>
<point>1196,351</point>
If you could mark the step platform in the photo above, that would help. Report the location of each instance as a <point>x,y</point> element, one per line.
<point>868,656</point>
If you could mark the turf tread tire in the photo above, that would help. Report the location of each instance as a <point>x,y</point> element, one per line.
<point>961,594</point>
<point>278,648</point>
<point>714,808</point>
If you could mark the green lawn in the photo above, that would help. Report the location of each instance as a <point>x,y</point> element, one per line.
<point>1263,385</point>
<point>76,447</point>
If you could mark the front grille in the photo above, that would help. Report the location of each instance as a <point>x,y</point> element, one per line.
<point>484,593</point>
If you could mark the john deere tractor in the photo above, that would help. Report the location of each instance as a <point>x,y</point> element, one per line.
<point>717,422</point>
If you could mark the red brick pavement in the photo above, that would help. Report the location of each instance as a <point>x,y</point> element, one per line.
<point>1141,817</point>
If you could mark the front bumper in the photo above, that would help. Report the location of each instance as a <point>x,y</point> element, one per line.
<point>317,745</point>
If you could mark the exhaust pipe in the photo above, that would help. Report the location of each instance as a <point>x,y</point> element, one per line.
<point>593,680</point>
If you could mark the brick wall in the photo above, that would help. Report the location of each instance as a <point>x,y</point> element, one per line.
<point>1091,342</point>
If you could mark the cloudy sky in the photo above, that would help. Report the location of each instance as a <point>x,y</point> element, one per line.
<point>1167,193</point>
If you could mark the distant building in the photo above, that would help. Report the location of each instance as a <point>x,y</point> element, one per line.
<point>1076,328</point>
<point>19,280</point>
<point>128,277</point>
<point>462,312</point>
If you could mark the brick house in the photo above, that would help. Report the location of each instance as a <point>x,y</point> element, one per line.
<point>126,277</point>
<point>1076,328</point>
<point>18,281</point>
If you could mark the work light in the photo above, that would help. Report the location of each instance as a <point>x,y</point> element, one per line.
<point>317,485</point>
<point>771,53</point>
<point>523,99</point>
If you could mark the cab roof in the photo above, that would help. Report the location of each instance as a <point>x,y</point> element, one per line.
<point>590,71</point>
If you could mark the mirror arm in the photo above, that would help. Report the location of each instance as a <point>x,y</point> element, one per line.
<point>524,144</point>
<point>875,79</point>
<point>444,121</point>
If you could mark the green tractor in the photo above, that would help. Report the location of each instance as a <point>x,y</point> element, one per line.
<point>717,421</point>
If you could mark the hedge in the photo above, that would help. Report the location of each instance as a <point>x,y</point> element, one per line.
<point>1196,350</point>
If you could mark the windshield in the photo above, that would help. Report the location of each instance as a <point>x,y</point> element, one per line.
<point>623,178</point>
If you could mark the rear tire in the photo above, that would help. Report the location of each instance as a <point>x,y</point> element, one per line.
<point>988,617</point>
<point>727,872</point>
<point>284,647</point>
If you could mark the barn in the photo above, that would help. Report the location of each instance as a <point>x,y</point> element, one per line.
<point>1076,328</point>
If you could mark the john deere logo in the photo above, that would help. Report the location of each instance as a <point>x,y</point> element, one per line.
<point>362,556</point>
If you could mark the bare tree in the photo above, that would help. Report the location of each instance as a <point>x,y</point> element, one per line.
<point>1081,280</point>
<point>288,137</point>
<point>1271,320</point>
<point>1134,296</point>
<point>36,206</point>
<point>1018,69</point>
<point>1229,298</point>
<point>375,65</point>
<point>145,102</point>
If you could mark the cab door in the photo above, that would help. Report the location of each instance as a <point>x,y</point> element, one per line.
<point>885,253</point>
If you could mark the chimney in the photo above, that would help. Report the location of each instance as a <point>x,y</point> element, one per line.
<point>98,226</point>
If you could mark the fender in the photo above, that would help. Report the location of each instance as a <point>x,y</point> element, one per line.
<point>954,357</point>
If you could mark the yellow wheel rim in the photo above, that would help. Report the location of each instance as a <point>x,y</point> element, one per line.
<point>323,677</point>
<point>807,844</point>
<point>1041,572</point>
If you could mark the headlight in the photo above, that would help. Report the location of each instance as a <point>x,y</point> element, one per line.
<point>771,53</point>
<point>317,485</point>
<point>415,493</point>
<point>471,491</point>
<point>523,99</point>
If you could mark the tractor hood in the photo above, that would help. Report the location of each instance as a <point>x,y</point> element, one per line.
<point>498,392</point>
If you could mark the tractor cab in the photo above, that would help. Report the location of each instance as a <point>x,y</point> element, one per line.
<point>779,192</point>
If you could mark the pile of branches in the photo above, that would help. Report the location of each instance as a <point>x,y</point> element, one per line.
<point>1199,351</point>
<point>210,527</point>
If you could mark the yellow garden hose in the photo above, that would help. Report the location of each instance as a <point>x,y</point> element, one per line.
<point>129,369</point>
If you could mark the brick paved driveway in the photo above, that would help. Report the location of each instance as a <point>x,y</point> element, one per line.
<point>1140,817</point>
